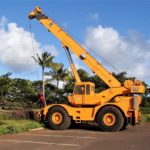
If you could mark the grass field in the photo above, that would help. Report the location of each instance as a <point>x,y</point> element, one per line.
<point>145,118</point>
<point>16,122</point>
<point>17,126</point>
<point>145,114</point>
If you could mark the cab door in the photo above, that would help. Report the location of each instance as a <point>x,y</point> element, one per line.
<point>79,94</point>
<point>89,95</point>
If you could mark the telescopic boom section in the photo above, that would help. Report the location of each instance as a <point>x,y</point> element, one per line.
<point>95,66</point>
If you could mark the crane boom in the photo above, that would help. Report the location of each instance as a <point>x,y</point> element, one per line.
<point>69,42</point>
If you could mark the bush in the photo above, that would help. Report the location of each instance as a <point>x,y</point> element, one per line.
<point>18,114</point>
<point>145,101</point>
<point>4,115</point>
<point>145,110</point>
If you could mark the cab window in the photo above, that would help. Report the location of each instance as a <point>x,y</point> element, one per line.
<point>92,88</point>
<point>79,89</point>
<point>87,89</point>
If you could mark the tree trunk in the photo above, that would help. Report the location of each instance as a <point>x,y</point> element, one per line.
<point>57,84</point>
<point>43,86</point>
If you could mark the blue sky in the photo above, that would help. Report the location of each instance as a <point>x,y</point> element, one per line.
<point>127,21</point>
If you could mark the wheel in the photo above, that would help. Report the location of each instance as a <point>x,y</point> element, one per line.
<point>110,119</point>
<point>58,118</point>
<point>125,124</point>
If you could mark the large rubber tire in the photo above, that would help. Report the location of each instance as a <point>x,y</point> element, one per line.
<point>125,124</point>
<point>64,122</point>
<point>110,119</point>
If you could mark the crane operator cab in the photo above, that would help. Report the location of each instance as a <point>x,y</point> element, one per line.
<point>82,94</point>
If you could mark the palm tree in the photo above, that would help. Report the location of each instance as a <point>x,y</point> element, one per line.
<point>45,60</point>
<point>58,73</point>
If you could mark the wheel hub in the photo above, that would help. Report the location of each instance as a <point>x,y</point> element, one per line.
<point>109,119</point>
<point>57,118</point>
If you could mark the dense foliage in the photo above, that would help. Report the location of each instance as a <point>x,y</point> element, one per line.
<point>23,93</point>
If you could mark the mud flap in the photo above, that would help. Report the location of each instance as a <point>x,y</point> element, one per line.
<point>40,116</point>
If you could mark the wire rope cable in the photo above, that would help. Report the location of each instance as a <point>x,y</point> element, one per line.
<point>88,48</point>
<point>31,33</point>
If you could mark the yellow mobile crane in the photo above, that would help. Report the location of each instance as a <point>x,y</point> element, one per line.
<point>112,109</point>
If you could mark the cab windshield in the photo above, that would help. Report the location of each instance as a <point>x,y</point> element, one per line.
<point>79,89</point>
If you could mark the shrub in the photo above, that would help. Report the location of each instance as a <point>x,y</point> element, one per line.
<point>145,110</point>
<point>19,114</point>
<point>4,115</point>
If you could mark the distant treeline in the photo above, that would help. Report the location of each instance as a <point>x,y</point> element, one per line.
<point>23,93</point>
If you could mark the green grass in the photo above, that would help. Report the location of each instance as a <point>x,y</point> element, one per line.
<point>145,110</point>
<point>145,114</point>
<point>15,123</point>
<point>17,126</point>
<point>145,118</point>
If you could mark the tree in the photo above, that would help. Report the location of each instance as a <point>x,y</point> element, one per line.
<point>5,84</point>
<point>46,60</point>
<point>70,83</point>
<point>22,88</point>
<point>99,84</point>
<point>58,73</point>
<point>84,76</point>
<point>23,93</point>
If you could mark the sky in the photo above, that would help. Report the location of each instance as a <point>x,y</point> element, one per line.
<point>118,31</point>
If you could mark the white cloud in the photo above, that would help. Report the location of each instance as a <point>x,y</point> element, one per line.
<point>93,16</point>
<point>130,53</point>
<point>51,49</point>
<point>61,84</point>
<point>3,21</point>
<point>16,47</point>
